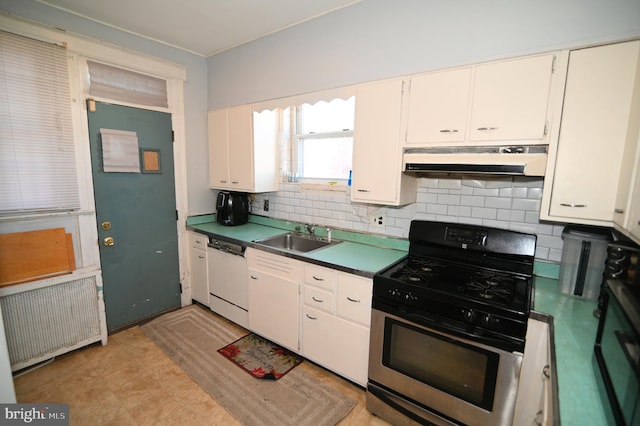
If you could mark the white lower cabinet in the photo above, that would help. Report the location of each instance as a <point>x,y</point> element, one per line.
<point>198,263</point>
<point>335,343</point>
<point>335,321</point>
<point>274,297</point>
<point>328,322</point>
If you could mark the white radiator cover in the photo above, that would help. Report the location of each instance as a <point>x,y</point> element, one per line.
<point>47,321</point>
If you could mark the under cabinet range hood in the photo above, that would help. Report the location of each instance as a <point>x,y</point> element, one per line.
<point>489,160</point>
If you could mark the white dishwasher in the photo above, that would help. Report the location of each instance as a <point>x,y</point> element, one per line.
<point>228,289</point>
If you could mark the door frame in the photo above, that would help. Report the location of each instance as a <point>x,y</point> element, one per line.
<point>87,219</point>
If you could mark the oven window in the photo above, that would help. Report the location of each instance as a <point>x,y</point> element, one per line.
<point>461,370</point>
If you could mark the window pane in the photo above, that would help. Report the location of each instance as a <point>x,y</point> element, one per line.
<point>326,158</point>
<point>334,116</point>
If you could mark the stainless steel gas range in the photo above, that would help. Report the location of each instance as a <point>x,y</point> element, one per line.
<point>448,326</point>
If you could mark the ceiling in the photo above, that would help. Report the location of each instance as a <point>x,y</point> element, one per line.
<point>203,27</point>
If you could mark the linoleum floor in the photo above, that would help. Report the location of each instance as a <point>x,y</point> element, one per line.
<point>130,381</point>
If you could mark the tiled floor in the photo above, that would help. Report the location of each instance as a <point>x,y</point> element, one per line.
<point>130,381</point>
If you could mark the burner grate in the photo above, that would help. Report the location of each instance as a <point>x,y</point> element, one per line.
<point>491,286</point>
<point>419,271</point>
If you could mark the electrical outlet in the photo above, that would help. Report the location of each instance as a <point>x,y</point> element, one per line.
<point>265,206</point>
<point>377,220</point>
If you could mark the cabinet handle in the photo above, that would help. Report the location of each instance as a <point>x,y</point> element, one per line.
<point>362,190</point>
<point>234,182</point>
<point>253,277</point>
<point>449,131</point>
<point>572,205</point>
<point>310,317</point>
<point>201,257</point>
<point>619,211</point>
<point>484,129</point>
<point>545,372</point>
<point>223,181</point>
<point>353,300</point>
<point>318,279</point>
<point>317,300</point>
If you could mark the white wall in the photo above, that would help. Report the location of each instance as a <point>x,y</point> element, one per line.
<point>377,39</point>
<point>200,198</point>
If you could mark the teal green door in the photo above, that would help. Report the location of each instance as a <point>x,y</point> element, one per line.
<point>136,215</point>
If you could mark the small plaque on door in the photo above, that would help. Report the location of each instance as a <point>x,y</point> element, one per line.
<point>150,160</point>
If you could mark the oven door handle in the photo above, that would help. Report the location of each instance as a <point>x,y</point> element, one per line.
<point>439,327</point>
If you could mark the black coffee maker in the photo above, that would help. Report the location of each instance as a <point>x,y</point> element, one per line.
<point>232,208</point>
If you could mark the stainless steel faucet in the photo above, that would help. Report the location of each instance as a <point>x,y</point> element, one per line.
<point>311,230</point>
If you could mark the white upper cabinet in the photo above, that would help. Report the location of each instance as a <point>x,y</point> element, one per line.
<point>627,212</point>
<point>438,104</point>
<point>599,121</point>
<point>377,147</point>
<point>479,105</point>
<point>243,150</point>
<point>510,99</point>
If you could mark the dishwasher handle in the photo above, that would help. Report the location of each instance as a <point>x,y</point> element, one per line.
<point>226,247</point>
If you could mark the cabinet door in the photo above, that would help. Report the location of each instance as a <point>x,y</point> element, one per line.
<point>510,99</point>
<point>336,344</point>
<point>218,149</point>
<point>633,225</point>
<point>199,286</point>
<point>594,126</point>
<point>438,105</point>
<point>241,162</point>
<point>354,298</point>
<point>273,308</point>
<point>377,152</point>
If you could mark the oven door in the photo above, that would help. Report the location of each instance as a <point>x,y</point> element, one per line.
<point>429,375</point>
<point>617,351</point>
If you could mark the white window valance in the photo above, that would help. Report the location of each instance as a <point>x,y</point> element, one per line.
<point>307,98</point>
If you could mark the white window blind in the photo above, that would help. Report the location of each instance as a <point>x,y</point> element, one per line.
<point>37,154</point>
<point>126,86</point>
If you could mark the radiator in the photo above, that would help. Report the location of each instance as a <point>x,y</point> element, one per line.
<point>45,322</point>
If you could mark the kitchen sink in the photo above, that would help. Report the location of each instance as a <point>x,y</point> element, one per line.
<point>295,242</point>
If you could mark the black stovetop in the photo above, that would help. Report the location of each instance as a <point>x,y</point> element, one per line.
<point>476,278</point>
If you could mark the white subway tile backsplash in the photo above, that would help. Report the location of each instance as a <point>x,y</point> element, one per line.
<point>448,199</point>
<point>507,203</point>
<point>436,209</point>
<point>519,192</point>
<point>484,213</point>
<point>472,200</point>
<point>526,204</point>
<point>450,184</point>
<point>498,202</point>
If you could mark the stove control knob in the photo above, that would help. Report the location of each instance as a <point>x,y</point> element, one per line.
<point>395,293</point>
<point>410,298</point>
<point>469,315</point>
<point>489,321</point>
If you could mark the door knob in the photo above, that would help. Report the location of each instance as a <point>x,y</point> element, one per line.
<point>106,225</point>
<point>109,241</point>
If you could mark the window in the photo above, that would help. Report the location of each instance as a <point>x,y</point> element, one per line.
<point>37,151</point>
<point>324,140</point>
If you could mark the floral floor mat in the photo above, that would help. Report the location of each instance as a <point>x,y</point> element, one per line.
<point>260,357</point>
